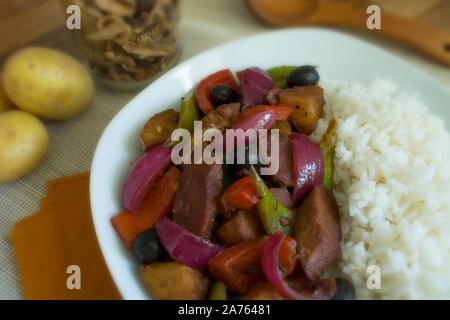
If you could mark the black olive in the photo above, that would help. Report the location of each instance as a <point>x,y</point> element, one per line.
<point>223,94</point>
<point>303,76</point>
<point>147,247</point>
<point>242,169</point>
<point>345,290</point>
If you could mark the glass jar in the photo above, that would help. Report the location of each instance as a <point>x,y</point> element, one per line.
<point>129,41</point>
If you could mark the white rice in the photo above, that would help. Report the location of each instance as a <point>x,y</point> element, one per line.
<point>392,185</point>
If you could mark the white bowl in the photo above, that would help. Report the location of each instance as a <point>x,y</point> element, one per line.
<point>336,54</point>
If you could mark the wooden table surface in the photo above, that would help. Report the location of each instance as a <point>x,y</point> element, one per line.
<point>33,22</point>
<point>25,22</point>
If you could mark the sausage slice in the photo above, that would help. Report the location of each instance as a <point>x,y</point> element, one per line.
<point>318,232</point>
<point>285,175</point>
<point>243,225</point>
<point>196,199</point>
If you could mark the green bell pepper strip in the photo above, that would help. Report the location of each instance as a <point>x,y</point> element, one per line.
<point>328,146</point>
<point>218,291</point>
<point>274,216</point>
<point>189,113</point>
<point>280,74</point>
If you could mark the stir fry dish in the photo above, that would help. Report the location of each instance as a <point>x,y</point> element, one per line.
<point>228,231</point>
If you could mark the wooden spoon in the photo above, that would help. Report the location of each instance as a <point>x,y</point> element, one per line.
<point>430,41</point>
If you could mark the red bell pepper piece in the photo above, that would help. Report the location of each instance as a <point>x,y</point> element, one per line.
<point>240,195</point>
<point>202,92</point>
<point>239,266</point>
<point>287,256</point>
<point>281,112</point>
<point>157,203</point>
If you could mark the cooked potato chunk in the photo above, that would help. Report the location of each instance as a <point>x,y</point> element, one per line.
<point>307,103</point>
<point>214,121</point>
<point>174,281</point>
<point>229,111</point>
<point>158,128</point>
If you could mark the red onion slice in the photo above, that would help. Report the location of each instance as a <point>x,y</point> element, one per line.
<point>142,174</point>
<point>323,289</point>
<point>184,246</point>
<point>261,120</point>
<point>271,268</point>
<point>256,83</point>
<point>308,163</point>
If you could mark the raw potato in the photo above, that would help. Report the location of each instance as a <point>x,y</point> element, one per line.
<point>159,128</point>
<point>174,281</point>
<point>23,143</point>
<point>47,83</point>
<point>5,103</point>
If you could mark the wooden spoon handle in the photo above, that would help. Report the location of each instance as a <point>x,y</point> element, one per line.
<point>352,13</point>
<point>430,41</point>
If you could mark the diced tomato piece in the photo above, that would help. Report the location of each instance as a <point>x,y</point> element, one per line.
<point>281,112</point>
<point>287,256</point>
<point>202,92</point>
<point>239,266</point>
<point>240,195</point>
<point>157,203</point>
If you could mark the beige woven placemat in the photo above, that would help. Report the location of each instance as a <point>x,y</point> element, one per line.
<point>204,24</point>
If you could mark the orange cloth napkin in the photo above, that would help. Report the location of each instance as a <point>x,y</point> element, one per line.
<point>59,235</point>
